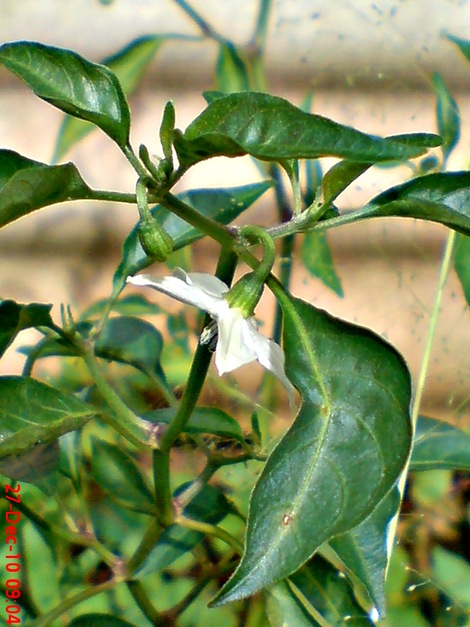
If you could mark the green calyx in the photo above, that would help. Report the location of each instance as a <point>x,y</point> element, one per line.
<point>153,238</point>
<point>246,293</point>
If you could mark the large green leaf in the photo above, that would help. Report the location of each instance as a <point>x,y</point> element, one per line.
<point>32,412</point>
<point>353,423</point>
<point>365,549</point>
<point>129,66</point>
<point>27,185</point>
<point>223,205</point>
<point>320,590</point>
<point>210,506</point>
<point>439,445</point>
<point>443,197</point>
<point>462,263</point>
<point>15,317</point>
<point>272,129</point>
<point>318,260</point>
<point>65,79</point>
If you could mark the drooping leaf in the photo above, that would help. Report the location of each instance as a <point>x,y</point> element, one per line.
<point>66,80</point>
<point>231,70</point>
<point>462,263</point>
<point>129,65</point>
<point>443,197</point>
<point>32,412</point>
<point>15,317</point>
<point>272,129</point>
<point>223,205</point>
<point>353,423</point>
<point>27,185</point>
<point>318,260</point>
<point>365,549</point>
<point>439,445</point>
<point>119,476</point>
<point>448,116</point>
<point>320,590</point>
<point>131,341</point>
<point>210,506</point>
<point>203,420</point>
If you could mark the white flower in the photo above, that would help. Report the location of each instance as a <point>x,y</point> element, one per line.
<point>239,341</point>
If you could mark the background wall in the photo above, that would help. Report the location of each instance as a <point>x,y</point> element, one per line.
<point>368,64</point>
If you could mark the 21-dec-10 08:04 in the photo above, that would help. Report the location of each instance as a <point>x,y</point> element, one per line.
<point>12,558</point>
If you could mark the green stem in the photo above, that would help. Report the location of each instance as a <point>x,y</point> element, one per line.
<point>258,41</point>
<point>258,234</point>
<point>72,601</point>
<point>210,530</point>
<point>135,162</point>
<point>123,420</point>
<point>149,540</point>
<point>203,24</point>
<point>146,607</point>
<point>222,234</point>
<point>163,495</point>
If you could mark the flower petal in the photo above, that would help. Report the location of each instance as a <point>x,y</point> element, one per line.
<point>270,356</point>
<point>232,351</point>
<point>201,290</point>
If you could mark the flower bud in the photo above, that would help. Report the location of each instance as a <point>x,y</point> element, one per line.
<point>154,239</point>
<point>245,294</point>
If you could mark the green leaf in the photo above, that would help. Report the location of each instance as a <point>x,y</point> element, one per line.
<point>210,506</point>
<point>439,445</point>
<point>452,574</point>
<point>32,412</point>
<point>443,197</point>
<point>27,185</point>
<point>448,116</point>
<point>464,45</point>
<point>462,263</point>
<point>364,550</point>
<point>66,80</point>
<point>231,71</point>
<point>340,176</point>
<point>320,589</point>
<point>203,420</point>
<point>33,465</point>
<point>223,205</point>
<point>119,476</point>
<point>15,317</point>
<point>283,608</point>
<point>129,66</point>
<point>353,423</point>
<point>272,129</point>
<point>131,305</point>
<point>131,341</point>
<point>317,258</point>
<point>99,620</point>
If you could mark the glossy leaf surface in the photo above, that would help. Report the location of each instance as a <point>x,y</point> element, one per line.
<point>442,197</point>
<point>223,205</point>
<point>32,412</point>
<point>71,83</point>
<point>439,445</point>
<point>129,66</point>
<point>350,426</point>
<point>318,260</point>
<point>14,317</point>
<point>272,129</point>
<point>462,263</point>
<point>27,185</point>
<point>364,550</point>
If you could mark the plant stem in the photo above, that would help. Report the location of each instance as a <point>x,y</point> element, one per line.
<point>150,538</point>
<point>203,24</point>
<point>124,420</point>
<point>88,593</point>
<point>259,36</point>
<point>141,598</point>
<point>135,162</point>
<point>210,530</point>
